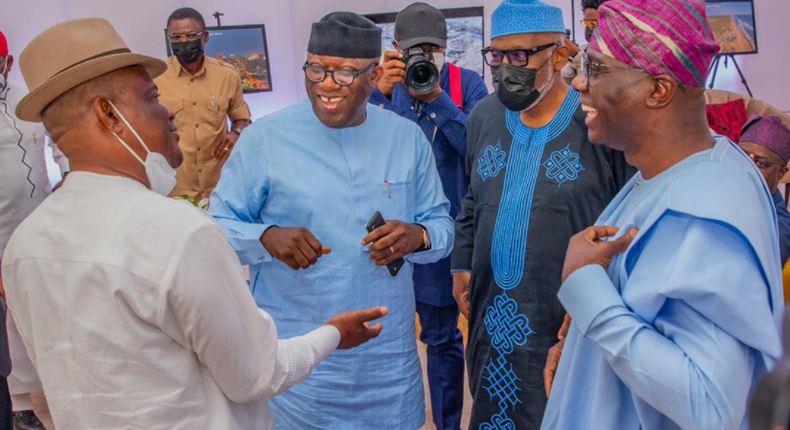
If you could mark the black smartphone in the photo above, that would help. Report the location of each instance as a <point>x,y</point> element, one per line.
<point>375,222</point>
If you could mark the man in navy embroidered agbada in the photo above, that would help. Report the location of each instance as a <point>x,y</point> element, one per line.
<point>444,124</point>
<point>535,181</point>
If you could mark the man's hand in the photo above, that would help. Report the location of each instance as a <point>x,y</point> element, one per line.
<point>430,97</point>
<point>587,248</point>
<point>2,288</point>
<point>461,282</point>
<point>296,247</point>
<point>354,326</point>
<point>566,325</point>
<point>394,72</point>
<point>221,149</point>
<point>552,363</point>
<point>394,240</point>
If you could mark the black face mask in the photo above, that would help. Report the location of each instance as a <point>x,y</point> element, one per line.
<point>515,86</point>
<point>588,33</point>
<point>188,52</point>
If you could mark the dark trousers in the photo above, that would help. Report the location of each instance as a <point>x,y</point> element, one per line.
<point>6,422</point>
<point>445,363</point>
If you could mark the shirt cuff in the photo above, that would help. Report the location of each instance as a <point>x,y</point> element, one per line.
<point>441,110</point>
<point>586,294</point>
<point>326,340</point>
<point>250,249</point>
<point>461,260</point>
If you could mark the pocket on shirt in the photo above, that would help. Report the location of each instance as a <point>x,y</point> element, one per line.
<point>396,200</point>
<point>218,106</point>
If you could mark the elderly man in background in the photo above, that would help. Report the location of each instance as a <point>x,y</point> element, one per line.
<point>767,141</point>
<point>676,292</point>
<point>305,181</point>
<point>203,92</point>
<point>24,184</point>
<point>131,305</point>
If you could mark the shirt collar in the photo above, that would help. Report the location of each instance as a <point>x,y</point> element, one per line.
<point>183,72</point>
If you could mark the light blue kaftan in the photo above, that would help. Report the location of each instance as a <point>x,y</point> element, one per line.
<point>290,170</point>
<point>684,324</point>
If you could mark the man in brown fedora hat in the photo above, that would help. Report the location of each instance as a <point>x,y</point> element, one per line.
<point>132,306</point>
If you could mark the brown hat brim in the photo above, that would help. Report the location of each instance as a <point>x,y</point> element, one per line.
<point>33,104</point>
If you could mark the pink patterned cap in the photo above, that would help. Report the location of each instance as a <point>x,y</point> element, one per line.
<point>662,37</point>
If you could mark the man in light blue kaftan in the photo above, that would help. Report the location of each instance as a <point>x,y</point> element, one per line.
<point>294,199</point>
<point>674,319</point>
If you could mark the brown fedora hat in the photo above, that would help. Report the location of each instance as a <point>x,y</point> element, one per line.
<point>72,53</point>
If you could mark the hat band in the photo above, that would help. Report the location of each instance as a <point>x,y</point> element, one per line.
<point>103,54</point>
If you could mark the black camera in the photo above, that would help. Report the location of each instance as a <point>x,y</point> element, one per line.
<point>422,76</point>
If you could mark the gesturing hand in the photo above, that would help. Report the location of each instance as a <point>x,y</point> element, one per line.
<point>587,248</point>
<point>354,326</point>
<point>552,363</point>
<point>296,247</point>
<point>394,240</point>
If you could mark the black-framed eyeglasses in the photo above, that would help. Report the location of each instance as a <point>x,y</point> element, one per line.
<point>516,57</point>
<point>187,37</point>
<point>317,74</point>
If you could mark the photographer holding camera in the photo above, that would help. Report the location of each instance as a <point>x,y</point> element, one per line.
<point>420,86</point>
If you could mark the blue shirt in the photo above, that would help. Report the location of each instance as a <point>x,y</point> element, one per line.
<point>444,124</point>
<point>783,217</point>
<point>290,170</point>
<point>684,323</point>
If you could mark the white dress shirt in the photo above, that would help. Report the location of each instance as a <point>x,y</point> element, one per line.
<point>23,169</point>
<point>135,312</point>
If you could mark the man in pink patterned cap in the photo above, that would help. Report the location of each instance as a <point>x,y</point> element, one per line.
<point>675,294</point>
<point>767,142</point>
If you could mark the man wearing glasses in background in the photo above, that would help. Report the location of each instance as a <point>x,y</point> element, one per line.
<point>536,180</point>
<point>590,22</point>
<point>203,92</point>
<point>294,200</point>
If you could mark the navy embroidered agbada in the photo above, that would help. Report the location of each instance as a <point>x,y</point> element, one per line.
<point>530,191</point>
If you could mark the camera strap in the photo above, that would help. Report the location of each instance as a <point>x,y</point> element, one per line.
<point>456,93</point>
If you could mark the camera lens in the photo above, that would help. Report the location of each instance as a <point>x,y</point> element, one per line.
<point>422,76</point>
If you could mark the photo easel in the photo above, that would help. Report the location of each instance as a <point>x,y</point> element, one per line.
<point>715,67</point>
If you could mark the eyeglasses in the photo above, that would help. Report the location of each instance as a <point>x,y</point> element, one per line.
<point>341,77</point>
<point>591,68</point>
<point>188,37</point>
<point>592,24</point>
<point>516,57</point>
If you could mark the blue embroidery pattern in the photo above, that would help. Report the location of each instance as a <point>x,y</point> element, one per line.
<point>491,162</point>
<point>563,166</point>
<point>499,421</point>
<point>506,327</point>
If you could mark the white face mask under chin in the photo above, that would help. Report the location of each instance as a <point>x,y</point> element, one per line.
<point>161,176</point>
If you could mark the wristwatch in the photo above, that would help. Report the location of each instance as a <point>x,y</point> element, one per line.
<point>236,130</point>
<point>426,239</point>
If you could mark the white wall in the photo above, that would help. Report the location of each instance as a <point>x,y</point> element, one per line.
<point>141,24</point>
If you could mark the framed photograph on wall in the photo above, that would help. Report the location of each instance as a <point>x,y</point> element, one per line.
<point>243,46</point>
<point>465,35</point>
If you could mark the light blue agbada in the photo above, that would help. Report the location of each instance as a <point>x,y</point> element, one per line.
<point>685,322</point>
<point>290,170</point>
